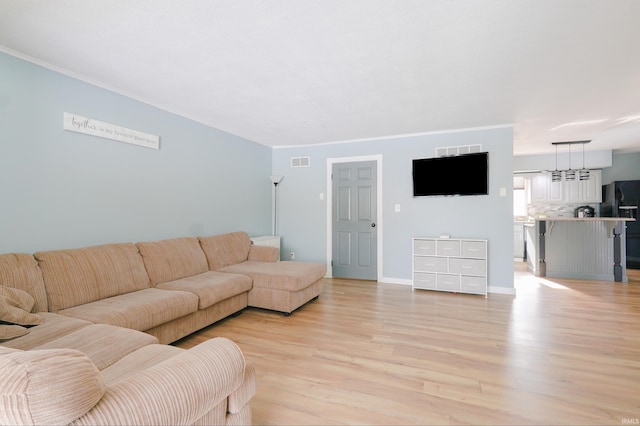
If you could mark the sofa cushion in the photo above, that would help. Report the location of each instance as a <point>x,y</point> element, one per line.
<point>21,271</point>
<point>286,275</point>
<point>226,249</point>
<point>47,386</point>
<point>78,276</point>
<point>211,287</point>
<point>53,326</point>
<point>103,344</point>
<point>169,260</point>
<point>8,332</point>
<point>139,310</point>
<point>15,307</point>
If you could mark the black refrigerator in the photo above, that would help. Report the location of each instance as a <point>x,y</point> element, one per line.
<point>620,199</point>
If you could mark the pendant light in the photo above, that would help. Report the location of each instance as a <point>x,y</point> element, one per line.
<point>570,175</point>
<point>583,174</point>
<point>556,175</point>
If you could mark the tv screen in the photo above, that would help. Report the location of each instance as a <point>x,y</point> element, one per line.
<point>466,174</point>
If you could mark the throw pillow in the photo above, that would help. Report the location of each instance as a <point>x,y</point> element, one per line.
<point>15,307</point>
<point>12,331</point>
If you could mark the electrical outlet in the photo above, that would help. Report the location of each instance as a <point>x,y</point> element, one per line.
<point>292,256</point>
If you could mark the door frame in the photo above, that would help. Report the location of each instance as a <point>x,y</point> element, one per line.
<point>379,243</point>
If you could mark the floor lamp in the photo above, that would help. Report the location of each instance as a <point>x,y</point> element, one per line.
<point>275,180</point>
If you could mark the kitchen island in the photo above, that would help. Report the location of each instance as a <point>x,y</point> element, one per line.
<point>591,248</point>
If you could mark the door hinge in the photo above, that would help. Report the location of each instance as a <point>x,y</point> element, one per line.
<point>332,263</point>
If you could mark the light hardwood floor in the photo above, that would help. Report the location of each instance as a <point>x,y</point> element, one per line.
<point>559,352</point>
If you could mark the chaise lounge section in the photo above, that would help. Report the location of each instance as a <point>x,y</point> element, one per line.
<point>278,286</point>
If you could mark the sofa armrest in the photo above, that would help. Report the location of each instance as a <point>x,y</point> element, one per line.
<point>179,390</point>
<point>264,253</point>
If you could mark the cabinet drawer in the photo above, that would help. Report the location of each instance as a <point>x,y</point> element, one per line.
<point>468,266</point>
<point>425,281</point>
<point>448,248</point>
<point>448,282</point>
<point>473,249</point>
<point>476,285</point>
<point>425,247</point>
<point>430,264</point>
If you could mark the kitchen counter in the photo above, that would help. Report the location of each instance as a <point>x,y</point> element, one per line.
<point>583,219</point>
<point>582,248</point>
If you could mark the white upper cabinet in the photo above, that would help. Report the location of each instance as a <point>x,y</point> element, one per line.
<point>556,190</point>
<point>577,191</point>
<point>585,191</point>
<point>592,188</point>
<point>544,190</point>
<point>573,191</point>
<point>539,187</point>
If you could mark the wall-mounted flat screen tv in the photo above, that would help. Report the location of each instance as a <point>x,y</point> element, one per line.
<point>466,174</point>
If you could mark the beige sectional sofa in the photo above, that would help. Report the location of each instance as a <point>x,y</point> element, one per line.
<point>85,331</point>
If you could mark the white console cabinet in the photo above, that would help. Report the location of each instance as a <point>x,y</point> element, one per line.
<point>447,264</point>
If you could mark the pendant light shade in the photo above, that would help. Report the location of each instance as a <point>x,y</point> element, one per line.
<point>584,174</point>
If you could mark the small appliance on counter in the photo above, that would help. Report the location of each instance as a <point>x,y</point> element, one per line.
<point>584,211</point>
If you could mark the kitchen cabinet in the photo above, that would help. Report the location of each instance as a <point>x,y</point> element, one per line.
<point>585,191</point>
<point>544,190</point>
<point>518,240</point>
<point>592,188</point>
<point>538,188</point>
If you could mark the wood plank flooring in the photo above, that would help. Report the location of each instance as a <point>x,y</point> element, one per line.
<point>560,352</point>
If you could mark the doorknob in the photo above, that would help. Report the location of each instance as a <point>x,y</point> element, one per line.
<point>373,225</point>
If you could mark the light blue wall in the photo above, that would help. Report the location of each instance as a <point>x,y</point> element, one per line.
<point>61,189</point>
<point>303,221</point>
<point>625,167</point>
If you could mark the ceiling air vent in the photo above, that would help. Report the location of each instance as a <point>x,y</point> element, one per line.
<point>300,161</point>
<point>457,150</point>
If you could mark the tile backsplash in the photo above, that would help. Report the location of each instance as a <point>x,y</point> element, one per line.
<point>558,210</point>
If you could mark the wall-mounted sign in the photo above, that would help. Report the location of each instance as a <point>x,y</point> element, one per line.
<point>89,126</point>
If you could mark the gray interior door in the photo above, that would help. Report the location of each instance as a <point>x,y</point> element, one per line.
<point>354,227</point>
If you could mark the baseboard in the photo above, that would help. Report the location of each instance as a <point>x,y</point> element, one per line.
<point>501,290</point>
<point>400,281</point>
<point>403,281</point>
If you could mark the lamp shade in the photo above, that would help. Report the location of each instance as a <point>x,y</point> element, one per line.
<point>275,179</point>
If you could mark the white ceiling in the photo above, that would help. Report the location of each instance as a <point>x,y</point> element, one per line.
<point>296,72</point>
